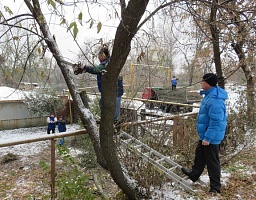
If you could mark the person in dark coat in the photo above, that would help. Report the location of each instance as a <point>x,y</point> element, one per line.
<point>51,120</point>
<point>120,92</point>
<point>62,128</point>
<point>99,70</point>
<point>61,125</point>
<point>211,126</point>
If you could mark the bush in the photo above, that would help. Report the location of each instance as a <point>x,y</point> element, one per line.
<point>72,183</point>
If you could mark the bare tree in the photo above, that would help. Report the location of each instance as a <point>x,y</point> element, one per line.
<point>104,145</point>
<point>130,23</point>
<point>231,25</point>
<point>242,24</point>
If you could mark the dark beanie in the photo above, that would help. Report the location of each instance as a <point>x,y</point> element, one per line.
<point>211,79</point>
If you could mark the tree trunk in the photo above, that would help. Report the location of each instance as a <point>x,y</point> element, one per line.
<point>250,99</point>
<point>84,113</point>
<point>104,144</point>
<point>121,48</point>
<point>242,33</point>
<point>216,43</point>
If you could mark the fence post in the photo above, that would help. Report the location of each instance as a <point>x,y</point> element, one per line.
<point>142,118</point>
<point>180,133</point>
<point>53,168</point>
<point>130,115</point>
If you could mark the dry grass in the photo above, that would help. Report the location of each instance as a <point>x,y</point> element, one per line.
<point>27,178</point>
<point>24,178</point>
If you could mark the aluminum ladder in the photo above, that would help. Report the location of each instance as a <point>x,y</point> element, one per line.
<point>163,163</point>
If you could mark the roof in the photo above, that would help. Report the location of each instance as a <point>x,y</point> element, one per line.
<point>7,93</point>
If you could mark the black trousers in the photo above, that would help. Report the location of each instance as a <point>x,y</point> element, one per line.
<point>207,156</point>
<point>49,130</point>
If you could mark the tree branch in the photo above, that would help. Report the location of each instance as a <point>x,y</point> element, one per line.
<point>154,12</point>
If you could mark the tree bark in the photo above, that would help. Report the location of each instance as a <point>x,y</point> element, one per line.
<point>216,43</point>
<point>121,48</point>
<point>85,115</point>
<point>250,86</point>
<point>238,46</point>
<point>103,142</point>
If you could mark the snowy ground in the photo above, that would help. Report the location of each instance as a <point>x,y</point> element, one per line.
<point>25,151</point>
<point>28,149</point>
<point>167,192</point>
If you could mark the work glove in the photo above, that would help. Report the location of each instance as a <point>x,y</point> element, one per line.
<point>78,70</point>
<point>103,72</point>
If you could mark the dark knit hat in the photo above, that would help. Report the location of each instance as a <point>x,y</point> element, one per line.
<point>104,50</point>
<point>211,79</point>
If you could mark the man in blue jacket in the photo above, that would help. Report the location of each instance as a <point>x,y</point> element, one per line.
<point>211,126</point>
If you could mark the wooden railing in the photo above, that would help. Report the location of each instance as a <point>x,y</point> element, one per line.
<point>52,138</point>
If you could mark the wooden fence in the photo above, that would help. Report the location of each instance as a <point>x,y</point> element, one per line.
<point>180,129</point>
<point>52,138</point>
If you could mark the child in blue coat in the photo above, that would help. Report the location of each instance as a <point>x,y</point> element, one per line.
<point>62,128</point>
<point>51,121</point>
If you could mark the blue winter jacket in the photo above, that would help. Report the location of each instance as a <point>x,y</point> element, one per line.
<point>174,81</point>
<point>212,118</point>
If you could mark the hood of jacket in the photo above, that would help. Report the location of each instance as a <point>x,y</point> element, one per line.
<point>215,92</point>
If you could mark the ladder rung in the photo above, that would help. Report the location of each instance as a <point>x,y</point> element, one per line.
<point>138,146</point>
<point>160,160</point>
<point>156,161</point>
<point>173,168</point>
<point>127,141</point>
<point>147,153</point>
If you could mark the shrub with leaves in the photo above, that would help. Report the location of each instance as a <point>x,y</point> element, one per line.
<point>72,183</point>
<point>42,102</point>
<point>95,108</point>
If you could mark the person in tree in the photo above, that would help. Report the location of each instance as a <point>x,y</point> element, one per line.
<point>120,92</point>
<point>61,128</point>
<point>174,82</point>
<point>99,70</point>
<point>51,120</point>
<point>211,126</point>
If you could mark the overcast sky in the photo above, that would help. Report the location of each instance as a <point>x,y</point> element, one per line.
<point>64,39</point>
<point>104,13</point>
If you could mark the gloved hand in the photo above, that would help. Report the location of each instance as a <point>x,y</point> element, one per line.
<point>78,70</point>
<point>103,72</point>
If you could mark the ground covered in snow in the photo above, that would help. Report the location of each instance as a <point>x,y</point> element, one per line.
<point>26,178</point>
<point>25,168</point>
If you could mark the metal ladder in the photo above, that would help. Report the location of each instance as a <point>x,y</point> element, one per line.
<point>155,158</point>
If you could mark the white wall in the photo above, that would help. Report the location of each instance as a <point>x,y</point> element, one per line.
<point>14,114</point>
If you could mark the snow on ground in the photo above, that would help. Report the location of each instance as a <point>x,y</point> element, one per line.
<point>25,150</point>
<point>166,192</point>
<point>28,149</point>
